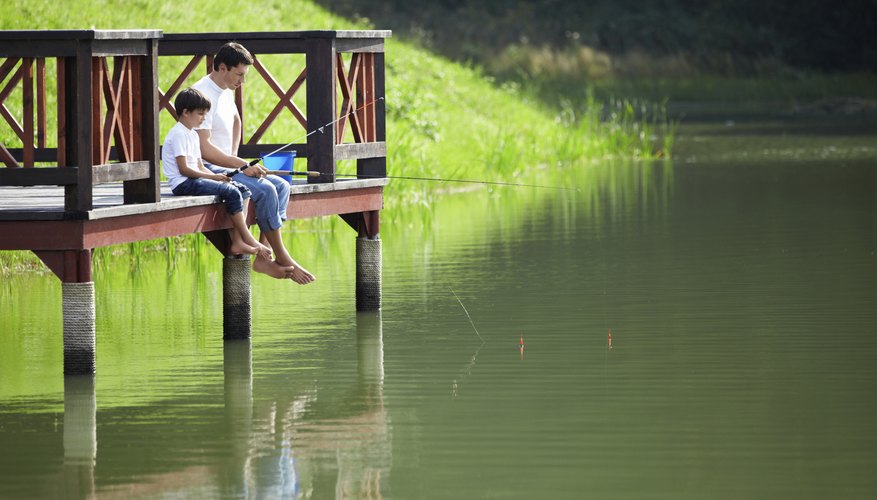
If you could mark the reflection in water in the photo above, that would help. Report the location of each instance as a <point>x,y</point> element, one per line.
<point>301,439</point>
<point>80,434</point>
<point>355,428</point>
<point>238,383</point>
<point>722,284</point>
<point>278,448</point>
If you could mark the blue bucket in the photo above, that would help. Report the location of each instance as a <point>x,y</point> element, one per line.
<point>280,161</point>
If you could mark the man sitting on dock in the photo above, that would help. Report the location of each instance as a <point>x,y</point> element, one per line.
<point>220,135</point>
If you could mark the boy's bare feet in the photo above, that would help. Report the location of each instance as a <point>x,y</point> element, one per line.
<point>258,250</point>
<point>242,248</point>
<point>264,251</point>
<point>271,268</point>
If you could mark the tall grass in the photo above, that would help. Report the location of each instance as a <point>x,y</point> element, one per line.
<point>444,119</point>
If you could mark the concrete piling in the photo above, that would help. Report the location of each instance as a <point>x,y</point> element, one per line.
<point>236,307</point>
<point>368,273</point>
<point>77,302</point>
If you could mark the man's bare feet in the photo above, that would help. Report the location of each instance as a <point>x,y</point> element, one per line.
<point>300,275</point>
<point>271,268</point>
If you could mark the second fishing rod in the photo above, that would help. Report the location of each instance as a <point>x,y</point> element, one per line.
<point>320,129</point>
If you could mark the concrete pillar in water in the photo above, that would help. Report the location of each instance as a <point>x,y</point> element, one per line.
<point>236,313</point>
<point>238,375</point>
<point>368,273</point>
<point>78,311</point>
<point>80,435</point>
<point>370,348</point>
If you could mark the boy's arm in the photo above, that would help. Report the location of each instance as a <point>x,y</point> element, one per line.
<point>199,172</point>
<point>212,154</point>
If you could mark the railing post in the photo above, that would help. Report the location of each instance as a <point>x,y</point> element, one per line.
<point>78,95</point>
<point>145,91</point>
<point>27,65</point>
<point>376,167</point>
<point>321,97</point>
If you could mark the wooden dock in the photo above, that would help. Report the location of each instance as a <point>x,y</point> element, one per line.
<point>93,178</point>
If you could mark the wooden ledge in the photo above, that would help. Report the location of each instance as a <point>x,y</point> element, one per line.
<point>44,203</point>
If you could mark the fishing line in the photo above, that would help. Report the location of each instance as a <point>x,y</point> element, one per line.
<point>467,313</point>
<point>469,181</point>
<point>314,173</point>
<point>321,129</point>
<point>468,369</point>
<point>455,385</point>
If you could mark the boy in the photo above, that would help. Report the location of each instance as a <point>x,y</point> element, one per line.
<point>186,174</point>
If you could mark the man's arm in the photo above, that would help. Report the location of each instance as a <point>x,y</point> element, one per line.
<point>213,155</point>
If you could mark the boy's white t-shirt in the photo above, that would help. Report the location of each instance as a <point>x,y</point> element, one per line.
<point>220,118</point>
<point>180,141</point>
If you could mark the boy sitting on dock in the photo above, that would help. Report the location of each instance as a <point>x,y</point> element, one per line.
<point>187,175</point>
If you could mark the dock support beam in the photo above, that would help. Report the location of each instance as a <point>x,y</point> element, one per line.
<point>368,258</point>
<point>78,306</point>
<point>73,267</point>
<point>236,309</point>
<point>368,273</point>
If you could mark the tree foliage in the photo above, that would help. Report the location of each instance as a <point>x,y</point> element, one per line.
<point>812,34</point>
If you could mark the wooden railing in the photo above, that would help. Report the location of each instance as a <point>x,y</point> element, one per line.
<point>106,83</point>
<point>108,102</point>
<point>324,78</point>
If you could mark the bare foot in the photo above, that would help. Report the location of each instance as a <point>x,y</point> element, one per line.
<point>264,251</point>
<point>271,268</point>
<point>241,249</point>
<point>300,275</point>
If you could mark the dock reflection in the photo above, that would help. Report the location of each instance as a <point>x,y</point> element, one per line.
<point>309,445</point>
<point>80,434</point>
<point>320,432</point>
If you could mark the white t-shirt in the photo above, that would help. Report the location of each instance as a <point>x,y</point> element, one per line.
<point>180,141</point>
<point>220,118</point>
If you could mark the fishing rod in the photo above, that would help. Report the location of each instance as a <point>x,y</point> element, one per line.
<point>319,129</point>
<point>314,173</point>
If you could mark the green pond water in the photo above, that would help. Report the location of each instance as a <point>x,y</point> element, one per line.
<point>738,283</point>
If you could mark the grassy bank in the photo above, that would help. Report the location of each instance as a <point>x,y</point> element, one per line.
<point>442,116</point>
<point>444,119</point>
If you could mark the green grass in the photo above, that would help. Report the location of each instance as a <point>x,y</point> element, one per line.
<point>444,119</point>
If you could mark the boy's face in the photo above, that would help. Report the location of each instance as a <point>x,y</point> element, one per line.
<point>192,118</point>
<point>232,78</point>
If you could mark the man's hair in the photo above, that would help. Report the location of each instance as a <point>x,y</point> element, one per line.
<point>190,100</point>
<point>232,54</point>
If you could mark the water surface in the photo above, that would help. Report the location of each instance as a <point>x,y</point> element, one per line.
<point>737,282</point>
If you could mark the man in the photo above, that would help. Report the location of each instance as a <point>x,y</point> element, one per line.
<point>220,135</point>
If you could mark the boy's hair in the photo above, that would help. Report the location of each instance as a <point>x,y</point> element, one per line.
<point>190,100</point>
<point>232,54</point>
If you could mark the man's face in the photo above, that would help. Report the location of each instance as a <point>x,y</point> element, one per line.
<point>234,77</point>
